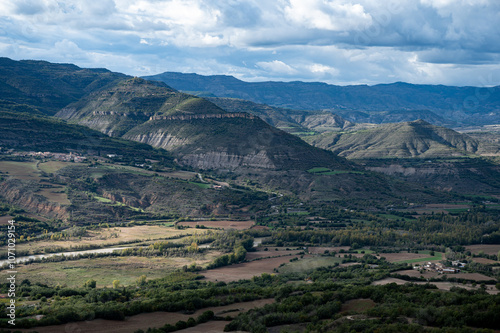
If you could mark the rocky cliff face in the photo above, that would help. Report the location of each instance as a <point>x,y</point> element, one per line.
<point>322,121</point>
<point>159,139</point>
<point>13,191</point>
<point>223,160</point>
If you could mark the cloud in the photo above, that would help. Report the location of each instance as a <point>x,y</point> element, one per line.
<point>277,67</point>
<point>338,41</point>
<point>329,15</point>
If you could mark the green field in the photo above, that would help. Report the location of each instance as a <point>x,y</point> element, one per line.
<point>116,203</point>
<point>201,185</point>
<point>395,217</point>
<point>318,170</point>
<point>328,172</point>
<point>53,166</point>
<point>74,273</point>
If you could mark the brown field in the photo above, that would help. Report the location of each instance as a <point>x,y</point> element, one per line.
<point>438,208</point>
<point>5,219</point>
<point>472,276</point>
<point>111,236</point>
<point>416,273</point>
<point>485,261</point>
<point>55,195</point>
<point>321,250</point>
<point>263,254</point>
<point>145,320</point>
<point>238,225</point>
<point>245,270</point>
<point>488,249</point>
<point>394,257</point>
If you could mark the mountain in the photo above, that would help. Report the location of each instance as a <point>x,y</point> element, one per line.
<point>401,140</point>
<point>38,133</point>
<point>49,87</point>
<point>198,132</point>
<point>291,121</point>
<point>443,105</point>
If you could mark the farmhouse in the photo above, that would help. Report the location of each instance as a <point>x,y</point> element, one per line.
<point>440,268</point>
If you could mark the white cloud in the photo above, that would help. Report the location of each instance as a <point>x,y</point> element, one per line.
<point>329,15</point>
<point>277,67</point>
<point>323,69</point>
<point>339,41</point>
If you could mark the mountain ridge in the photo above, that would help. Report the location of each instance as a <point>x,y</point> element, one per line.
<point>455,105</point>
<point>402,140</point>
<point>198,132</point>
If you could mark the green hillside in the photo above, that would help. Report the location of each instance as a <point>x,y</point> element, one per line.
<point>201,134</point>
<point>401,140</point>
<point>25,132</point>
<point>299,122</point>
<point>49,87</point>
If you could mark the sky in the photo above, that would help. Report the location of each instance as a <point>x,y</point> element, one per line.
<point>451,42</point>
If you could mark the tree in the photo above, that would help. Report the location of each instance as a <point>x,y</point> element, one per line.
<point>90,284</point>
<point>193,247</point>
<point>116,284</point>
<point>141,281</point>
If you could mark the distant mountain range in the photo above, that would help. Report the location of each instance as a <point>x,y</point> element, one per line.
<point>383,103</point>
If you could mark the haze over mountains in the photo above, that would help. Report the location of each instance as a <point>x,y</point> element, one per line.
<point>383,103</point>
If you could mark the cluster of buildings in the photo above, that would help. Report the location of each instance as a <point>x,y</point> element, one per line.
<point>441,268</point>
<point>71,157</point>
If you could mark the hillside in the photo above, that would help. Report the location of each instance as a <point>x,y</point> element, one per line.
<point>441,105</point>
<point>25,132</point>
<point>401,140</point>
<point>198,132</point>
<point>49,87</point>
<point>292,121</point>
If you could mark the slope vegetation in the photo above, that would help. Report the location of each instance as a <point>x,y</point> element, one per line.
<point>198,132</point>
<point>298,122</point>
<point>49,87</point>
<point>402,140</point>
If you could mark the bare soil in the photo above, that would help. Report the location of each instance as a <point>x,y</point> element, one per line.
<point>246,270</point>
<point>488,249</point>
<point>472,276</point>
<point>264,254</point>
<point>321,250</point>
<point>394,257</point>
<point>485,261</point>
<point>5,219</point>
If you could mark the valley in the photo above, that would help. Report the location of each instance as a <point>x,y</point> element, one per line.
<point>147,209</point>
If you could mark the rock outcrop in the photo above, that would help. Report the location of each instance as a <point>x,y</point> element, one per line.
<point>15,192</point>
